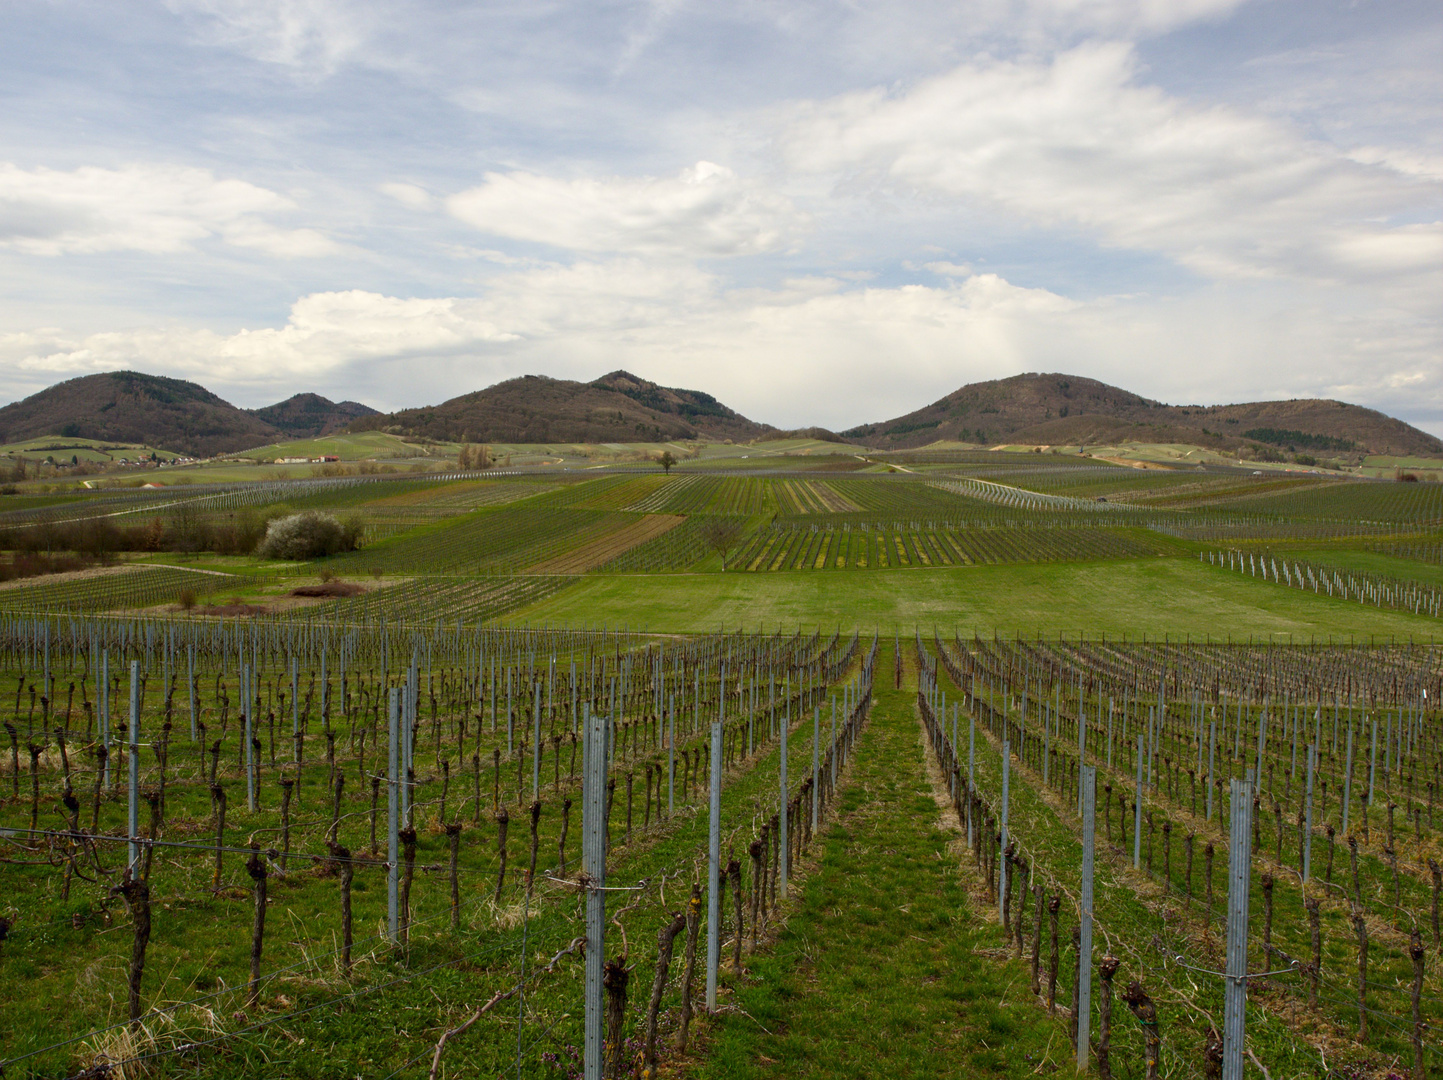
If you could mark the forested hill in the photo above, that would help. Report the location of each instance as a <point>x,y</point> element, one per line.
<point>131,407</point>
<point>1051,409</point>
<point>309,416</point>
<point>1070,410</point>
<point>618,407</point>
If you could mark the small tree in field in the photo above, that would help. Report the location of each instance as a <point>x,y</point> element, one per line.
<point>473,456</point>
<point>666,461</point>
<point>308,535</point>
<point>721,535</point>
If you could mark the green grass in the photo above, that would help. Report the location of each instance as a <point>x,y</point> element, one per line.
<point>89,450</point>
<point>366,444</point>
<point>885,969</point>
<point>1128,911</point>
<point>1368,562</point>
<point>378,444</point>
<point>255,471</point>
<point>11,503</point>
<point>1386,463</point>
<point>74,977</point>
<point>1129,903</point>
<point>1151,596</point>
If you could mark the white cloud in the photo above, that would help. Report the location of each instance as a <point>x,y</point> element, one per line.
<point>325,332</point>
<point>1128,16</point>
<point>756,347</point>
<point>1290,161</point>
<point>286,243</point>
<point>1400,250</point>
<point>1077,143</point>
<point>409,195</point>
<point>158,209</point>
<point>811,350</point>
<point>1408,162</point>
<point>705,210</point>
<point>655,14</point>
<point>310,36</point>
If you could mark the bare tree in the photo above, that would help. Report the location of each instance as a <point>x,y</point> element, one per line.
<point>721,535</point>
<point>473,456</point>
<point>666,461</point>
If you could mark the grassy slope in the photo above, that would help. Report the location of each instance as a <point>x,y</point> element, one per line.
<point>348,447</point>
<point>62,448</point>
<point>1369,562</point>
<point>884,970</point>
<point>1153,596</point>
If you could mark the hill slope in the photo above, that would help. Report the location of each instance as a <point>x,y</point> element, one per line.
<point>127,406</point>
<point>1069,409</point>
<point>618,407</point>
<point>130,407</point>
<point>702,411</point>
<point>309,416</point>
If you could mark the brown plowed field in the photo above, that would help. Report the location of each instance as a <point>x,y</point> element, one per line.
<point>605,548</point>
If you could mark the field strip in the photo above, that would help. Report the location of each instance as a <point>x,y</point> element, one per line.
<point>605,548</point>
<point>992,491</point>
<point>190,569</point>
<point>662,494</point>
<point>836,502</point>
<point>102,572</point>
<point>68,575</point>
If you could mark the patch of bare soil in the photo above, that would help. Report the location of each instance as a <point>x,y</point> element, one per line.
<point>276,603</point>
<point>330,588</point>
<point>233,609</point>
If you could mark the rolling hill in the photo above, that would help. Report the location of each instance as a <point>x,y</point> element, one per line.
<point>618,407</point>
<point>1070,410</point>
<point>1055,409</point>
<point>309,416</point>
<point>128,406</point>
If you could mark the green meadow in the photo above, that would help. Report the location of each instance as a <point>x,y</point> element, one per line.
<point>1156,597</point>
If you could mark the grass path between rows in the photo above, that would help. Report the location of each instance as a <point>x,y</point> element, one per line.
<point>884,969</point>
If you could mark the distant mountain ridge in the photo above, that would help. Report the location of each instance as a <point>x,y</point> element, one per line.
<point>1032,409</point>
<point>310,416</point>
<point>618,407</point>
<point>129,406</point>
<point>702,411</point>
<point>171,414</point>
<point>1059,409</point>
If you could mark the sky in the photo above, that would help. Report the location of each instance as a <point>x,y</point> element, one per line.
<point>821,211</point>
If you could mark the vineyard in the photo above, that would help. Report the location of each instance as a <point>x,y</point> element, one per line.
<point>372,814</point>
<point>792,546</point>
<point>1332,749</point>
<point>134,585</point>
<point>1362,588</point>
<point>427,598</point>
<point>261,760</point>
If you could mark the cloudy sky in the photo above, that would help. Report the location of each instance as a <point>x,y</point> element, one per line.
<point>822,211</point>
